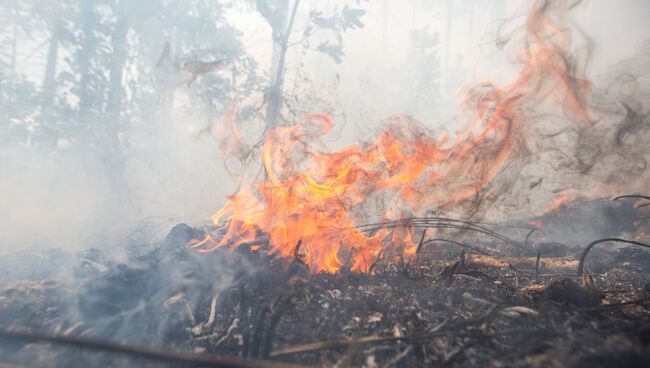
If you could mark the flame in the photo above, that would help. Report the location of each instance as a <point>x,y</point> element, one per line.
<point>565,196</point>
<point>537,224</point>
<point>314,196</point>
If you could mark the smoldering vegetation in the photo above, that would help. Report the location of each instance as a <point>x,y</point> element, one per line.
<point>126,125</point>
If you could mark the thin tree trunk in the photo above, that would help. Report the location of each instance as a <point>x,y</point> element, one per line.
<point>277,30</point>
<point>85,54</point>
<point>49,80</point>
<point>115,161</point>
<point>274,97</point>
<point>116,93</point>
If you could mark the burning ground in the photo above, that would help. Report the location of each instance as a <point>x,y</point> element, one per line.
<point>516,241</point>
<point>489,302</point>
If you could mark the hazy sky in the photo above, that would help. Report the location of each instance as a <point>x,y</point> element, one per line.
<point>381,47</point>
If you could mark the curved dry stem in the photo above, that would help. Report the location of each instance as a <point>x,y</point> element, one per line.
<point>441,222</point>
<point>632,196</point>
<point>581,264</point>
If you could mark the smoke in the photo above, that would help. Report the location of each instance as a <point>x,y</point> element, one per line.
<point>115,274</point>
<point>68,197</point>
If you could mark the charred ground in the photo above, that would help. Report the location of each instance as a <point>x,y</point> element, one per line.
<point>494,305</point>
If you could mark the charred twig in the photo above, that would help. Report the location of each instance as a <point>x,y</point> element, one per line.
<point>141,352</point>
<point>404,269</point>
<point>581,264</point>
<point>298,265</point>
<point>296,252</point>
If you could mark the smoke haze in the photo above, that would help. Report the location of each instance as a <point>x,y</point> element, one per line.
<point>160,164</point>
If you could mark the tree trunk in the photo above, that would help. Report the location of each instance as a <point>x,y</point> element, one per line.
<point>277,33</point>
<point>274,95</point>
<point>115,161</point>
<point>49,80</point>
<point>116,92</point>
<point>85,54</point>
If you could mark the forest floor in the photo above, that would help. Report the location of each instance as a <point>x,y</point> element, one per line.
<point>450,308</point>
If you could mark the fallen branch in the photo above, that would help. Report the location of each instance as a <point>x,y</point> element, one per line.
<point>142,352</point>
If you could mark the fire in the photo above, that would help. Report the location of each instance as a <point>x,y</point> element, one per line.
<point>537,224</point>
<point>565,196</point>
<point>315,196</point>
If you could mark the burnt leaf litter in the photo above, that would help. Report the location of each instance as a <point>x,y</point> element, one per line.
<point>449,306</point>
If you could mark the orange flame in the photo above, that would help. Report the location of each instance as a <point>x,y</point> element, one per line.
<point>537,224</point>
<point>565,196</point>
<point>314,196</point>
